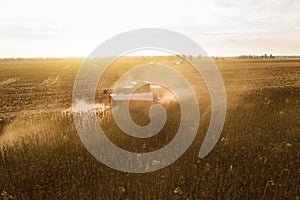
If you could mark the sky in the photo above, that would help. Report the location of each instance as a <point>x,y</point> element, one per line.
<point>57,28</point>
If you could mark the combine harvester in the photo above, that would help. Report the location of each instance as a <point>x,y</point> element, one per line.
<point>145,92</point>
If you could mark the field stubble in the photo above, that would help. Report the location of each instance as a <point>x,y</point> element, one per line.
<point>257,156</point>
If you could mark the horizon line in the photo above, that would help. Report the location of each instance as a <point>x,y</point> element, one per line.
<point>213,56</point>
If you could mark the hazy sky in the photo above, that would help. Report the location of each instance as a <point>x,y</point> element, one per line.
<point>32,28</point>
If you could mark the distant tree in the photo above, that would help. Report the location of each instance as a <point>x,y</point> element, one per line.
<point>246,56</point>
<point>199,57</point>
